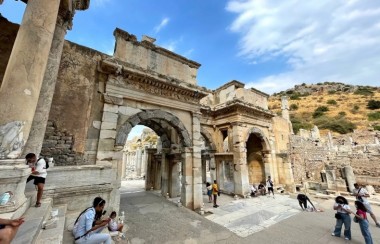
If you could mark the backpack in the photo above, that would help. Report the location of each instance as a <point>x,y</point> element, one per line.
<point>270,183</point>
<point>46,161</point>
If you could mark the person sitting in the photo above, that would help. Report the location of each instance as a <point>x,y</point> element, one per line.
<point>9,228</point>
<point>302,200</point>
<point>88,225</point>
<point>253,191</point>
<point>262,189</point>
<point>114,226</point>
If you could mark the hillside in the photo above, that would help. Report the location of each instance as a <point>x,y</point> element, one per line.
<point>338,107</point>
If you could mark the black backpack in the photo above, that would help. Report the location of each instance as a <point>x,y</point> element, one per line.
<point>46,161</point>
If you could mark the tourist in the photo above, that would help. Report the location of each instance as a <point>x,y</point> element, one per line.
<point>8,229</point>
<point>39,174</point>
<point>113,225</point>
<point>361,195</point>
<point>342,217</point>
<point>302,200</point>
<point>209,191</point>
<point>361,218</point>
<point>215,193</point>
<point>262,189</point>
<point>87,226</point>
<point>270,186</point>
<point>253,191</point>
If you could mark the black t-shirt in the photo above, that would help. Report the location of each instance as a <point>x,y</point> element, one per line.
<point>302,197</point>
<point>261,186</point>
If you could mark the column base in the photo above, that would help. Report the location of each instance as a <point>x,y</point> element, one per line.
<point>13,175</point>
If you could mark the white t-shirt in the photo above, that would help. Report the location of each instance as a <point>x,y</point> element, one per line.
<point>345,206</point>
<point>41,168</point>
<point>268,183</point>
<point>113,225</point>
<point>362,193</point>
<point>253,188</point>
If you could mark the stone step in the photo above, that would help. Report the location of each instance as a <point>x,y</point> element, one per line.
<point>34,217</point>
<point>54,235</point>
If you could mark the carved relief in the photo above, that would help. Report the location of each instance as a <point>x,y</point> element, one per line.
<point>11,139</point>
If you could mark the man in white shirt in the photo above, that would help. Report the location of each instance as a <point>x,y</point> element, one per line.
<point>361,194</point>
<point>253,191</point>
<point>39,174</point>
<point>270,186</point>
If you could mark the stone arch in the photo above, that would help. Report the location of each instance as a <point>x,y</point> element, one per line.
<point>153,115</point>
<point>260,134</point>
<point>207,136</point>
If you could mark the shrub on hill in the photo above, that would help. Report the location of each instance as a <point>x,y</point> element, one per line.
<point>365,91</point>
<point>376,127</point>
<point>332,102</point>
<point>299,123</point>
<point>337,124</point>
<point>373,104</point>
<point>374,116</point>
<point>293,107</point>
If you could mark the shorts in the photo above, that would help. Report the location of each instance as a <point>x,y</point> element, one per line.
<point>209,192</point>
<point>270,189</point>
<point>37,180</point>
<point>368,207</point>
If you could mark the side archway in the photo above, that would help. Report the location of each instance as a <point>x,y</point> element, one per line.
<point>207,136</point>
<point>260,134</point>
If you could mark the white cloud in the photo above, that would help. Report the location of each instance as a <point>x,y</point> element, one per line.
<point>163,23</point>
<point>320,40</point>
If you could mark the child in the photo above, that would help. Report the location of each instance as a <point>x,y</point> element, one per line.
<point>114,226</point>
<point>361,218</point>
<point>209,192</point>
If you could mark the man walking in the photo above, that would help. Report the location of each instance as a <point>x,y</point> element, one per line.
<point>38,174</point>
<point>270,186</point>
<point>361,195</point>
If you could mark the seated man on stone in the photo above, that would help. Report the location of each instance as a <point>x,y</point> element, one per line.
<point>8,229</point>
<point>253,191</point>
<point>262,189</point>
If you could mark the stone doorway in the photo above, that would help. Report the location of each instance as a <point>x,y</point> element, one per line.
<point>256,168</point>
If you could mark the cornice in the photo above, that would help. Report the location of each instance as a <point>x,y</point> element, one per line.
<point>81,4</point>
<point>124,77</point>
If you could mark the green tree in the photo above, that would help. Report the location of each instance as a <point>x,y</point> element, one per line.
<point>373,104</point>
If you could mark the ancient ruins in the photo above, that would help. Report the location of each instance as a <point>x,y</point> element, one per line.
<point>78,105</point>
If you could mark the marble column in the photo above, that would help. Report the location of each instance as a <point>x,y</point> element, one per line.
<point>20,89</point>
<point>187,178</point>
<point>350,177</point>
<point>174,182</point>
<point>197,162</point>
<point>241,178</point>
<point>41,116</point>
<point>138,161</point>
<point>164,172</point>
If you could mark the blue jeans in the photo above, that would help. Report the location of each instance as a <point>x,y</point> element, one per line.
<point>364,227</point>
<point>346,220</point>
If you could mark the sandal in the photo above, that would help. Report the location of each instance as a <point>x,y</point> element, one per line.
<point>38,204</point>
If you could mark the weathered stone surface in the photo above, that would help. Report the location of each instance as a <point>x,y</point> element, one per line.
<point>128,110</point>
<point>106,144</point>
<point>108,126</point>
<point>109,117</point>
<point>107,134</point>
<point>96,124</point>
<point>111,108</point>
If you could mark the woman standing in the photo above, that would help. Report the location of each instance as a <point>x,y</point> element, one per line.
<point>209,192</point>
<point>361,217</point>
<point>215,192</point>
<point>342,217</point>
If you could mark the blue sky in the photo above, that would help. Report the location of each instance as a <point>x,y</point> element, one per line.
<point>270,45</point>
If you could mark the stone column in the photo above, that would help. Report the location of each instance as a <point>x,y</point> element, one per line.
<point>20,89</point>
<point>187,178</point>
<point>350,177</point>
<point>138,161</point>
<point>175,184</point>
<point>150,172</point>
<point>197,162</point>
<point>241,179</point>
<point>41,116</point>
<point>164,172</point>
<point>267,165</point>
<point>212,168</point>
<point>123,165</point>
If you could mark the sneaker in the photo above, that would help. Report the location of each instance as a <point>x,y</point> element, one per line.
<point>215,206</point>
<point>347,239</point>
<point>332,234</point>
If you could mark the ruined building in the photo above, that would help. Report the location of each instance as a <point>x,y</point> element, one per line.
<point>78,105</point>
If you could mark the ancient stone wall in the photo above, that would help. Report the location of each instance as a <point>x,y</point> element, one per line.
<point>8,35</point>
<point>76,102</point>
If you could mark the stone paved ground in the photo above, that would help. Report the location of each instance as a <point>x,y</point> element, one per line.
<point>153,219</point>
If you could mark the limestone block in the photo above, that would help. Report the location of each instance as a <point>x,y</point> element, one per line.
<point>96,124</point>
<point>92,144</point>
<point>107,134</point>
<point>111,108</point>
<point>107,155</point>
<point>128,110</point>
<point>106,144</point>
<point>108,126</point>
<point>113,99</point>
<point>109,117</point>
<point>370,190</point>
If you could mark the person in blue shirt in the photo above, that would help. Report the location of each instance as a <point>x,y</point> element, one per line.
<point>88,225</point>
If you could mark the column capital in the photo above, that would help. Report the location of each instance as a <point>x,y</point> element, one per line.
<point>65,18</point>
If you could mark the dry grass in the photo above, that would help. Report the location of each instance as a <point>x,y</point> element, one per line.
<point>345,103</point>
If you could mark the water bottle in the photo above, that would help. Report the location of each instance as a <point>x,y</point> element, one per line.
<point>4,198</point>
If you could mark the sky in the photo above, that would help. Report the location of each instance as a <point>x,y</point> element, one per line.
<point>267,44</point>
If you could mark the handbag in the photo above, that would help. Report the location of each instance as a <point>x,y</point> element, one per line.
<point>355,219</point>
<point>338,216</point>
<point>218,193</point>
